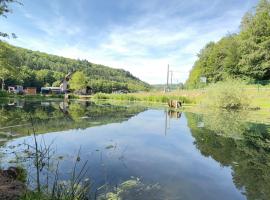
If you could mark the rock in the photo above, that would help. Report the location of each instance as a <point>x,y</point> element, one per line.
<point>11,172</point>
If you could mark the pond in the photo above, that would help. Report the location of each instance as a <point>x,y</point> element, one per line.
<point>172,155</point>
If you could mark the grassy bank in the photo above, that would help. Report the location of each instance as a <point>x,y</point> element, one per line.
<point>225,95</point>
<point>4,94</point>
<point>233,94</point>
<point>158,97</point>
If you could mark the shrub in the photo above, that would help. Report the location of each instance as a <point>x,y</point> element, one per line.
<point>229,94</point>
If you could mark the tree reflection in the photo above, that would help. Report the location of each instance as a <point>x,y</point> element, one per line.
<point>59,116</point>
<point>243,146</point>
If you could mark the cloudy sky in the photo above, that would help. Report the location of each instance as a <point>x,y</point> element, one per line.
<point>141,36</point>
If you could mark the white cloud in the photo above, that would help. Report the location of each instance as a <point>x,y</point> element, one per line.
<point>143,47</point>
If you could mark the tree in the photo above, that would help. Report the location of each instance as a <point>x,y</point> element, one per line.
<point>78,81</point>
<point>8,62</point>
<point>50,68</point>
<point>255,44</point>
<point>245,55</point>
<point>4,10</point>
<point>28,77</point>
<point>45,76</point>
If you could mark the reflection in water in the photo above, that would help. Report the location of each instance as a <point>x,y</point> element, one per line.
<point>215,155</point>
<point>59,116</point>
<point>245,147</point>
<point>174,114</point>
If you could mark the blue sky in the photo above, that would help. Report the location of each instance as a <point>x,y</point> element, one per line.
<point>141,36</point>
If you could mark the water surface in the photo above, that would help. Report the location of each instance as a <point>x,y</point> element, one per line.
<point>178,155</point>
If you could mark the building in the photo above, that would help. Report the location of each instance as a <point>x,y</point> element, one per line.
<point>30,91</point>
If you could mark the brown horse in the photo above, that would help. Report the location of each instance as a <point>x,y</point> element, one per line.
<point>174,104</point>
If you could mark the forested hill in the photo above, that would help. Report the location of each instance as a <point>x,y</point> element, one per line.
<point>245,55</point>
<point>33,68</point>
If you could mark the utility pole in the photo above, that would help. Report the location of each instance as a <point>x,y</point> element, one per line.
<point>171,77</point>
<point>168,74</point>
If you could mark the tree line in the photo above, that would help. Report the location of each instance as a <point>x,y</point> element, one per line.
<point>245,55</point>
<point>20,66</point>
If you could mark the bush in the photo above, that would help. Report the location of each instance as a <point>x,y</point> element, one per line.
<point>229,94</point>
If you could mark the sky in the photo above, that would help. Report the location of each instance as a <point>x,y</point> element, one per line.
<point>141,36</point>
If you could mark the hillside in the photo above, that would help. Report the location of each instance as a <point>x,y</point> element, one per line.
<point>39,69</point>
<point>161,87</point>
<point>244,55</point>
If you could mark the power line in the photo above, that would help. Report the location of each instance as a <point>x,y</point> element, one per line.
<point>168,70</point>
<point>171,77</point>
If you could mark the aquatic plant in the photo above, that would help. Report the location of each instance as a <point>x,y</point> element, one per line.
<point>134,189</point>
<point>42,155</point>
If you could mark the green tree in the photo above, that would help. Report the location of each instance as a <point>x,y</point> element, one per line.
<point>245,55</point>
<point>4,10</point>
<point>28,77</point>
<point>255,44</point>
<point>78,81</point>
<point>8,62</point>
<point>45,76</point>
<point>50,68</point>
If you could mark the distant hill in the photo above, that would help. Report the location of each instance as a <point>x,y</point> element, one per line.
<point>39,69</point>
<point>161,87</point>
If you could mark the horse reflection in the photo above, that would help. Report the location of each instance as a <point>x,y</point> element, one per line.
<point>174,114</point>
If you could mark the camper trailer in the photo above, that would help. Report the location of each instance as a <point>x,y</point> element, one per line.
<point>51,90</point>
<point>17,89</point>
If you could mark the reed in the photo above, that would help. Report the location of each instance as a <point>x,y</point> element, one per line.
<point>147,97</point>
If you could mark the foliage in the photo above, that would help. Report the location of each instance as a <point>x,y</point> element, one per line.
<point>3,94</point>
<point>53,117</point>
<point>40,69</point>
<point>244,55</point>
<point>134,189</point>
<point>247,156</point>
<point>229,94</point>
<point>4,9</point>
<point>143,97</point>
<point>255,41</point>
<point>8,63</point>
<point>78,81</point>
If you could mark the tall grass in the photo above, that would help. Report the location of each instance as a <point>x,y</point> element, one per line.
<point>42,157</point>
<point>3,94</point>
<point>230,94</point>
<point>148,97</point>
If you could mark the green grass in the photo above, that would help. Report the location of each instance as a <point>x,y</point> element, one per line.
<point>223,95</point>
<point>3,94</point>
<point>147,97</point>
<point>227,95</point>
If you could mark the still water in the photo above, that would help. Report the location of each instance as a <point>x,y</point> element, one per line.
<point>175,155</point>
